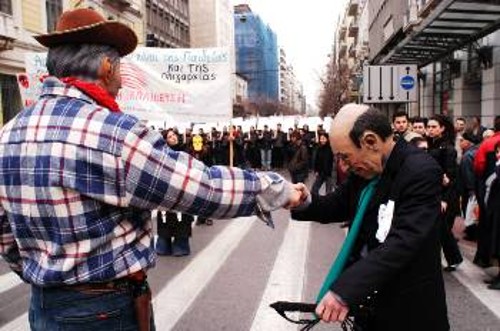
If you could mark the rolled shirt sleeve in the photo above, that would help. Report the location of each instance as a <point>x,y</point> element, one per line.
<point>156,176</point>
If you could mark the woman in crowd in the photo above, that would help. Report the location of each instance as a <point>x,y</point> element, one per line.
<point>173,235</point>
<point>323,165</point>
<point>441,135</point>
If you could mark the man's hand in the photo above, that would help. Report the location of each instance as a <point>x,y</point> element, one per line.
<point>331,310</point>
<point>298,196</point>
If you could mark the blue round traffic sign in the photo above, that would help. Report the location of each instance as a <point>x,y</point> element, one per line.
<point>407,82</point>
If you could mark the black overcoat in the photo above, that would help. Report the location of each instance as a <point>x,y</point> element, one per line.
<point>400,278</point>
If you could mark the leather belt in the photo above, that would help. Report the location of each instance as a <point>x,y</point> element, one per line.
<point>120,284</point>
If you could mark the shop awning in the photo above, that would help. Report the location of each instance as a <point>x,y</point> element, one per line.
<point>449,27</point>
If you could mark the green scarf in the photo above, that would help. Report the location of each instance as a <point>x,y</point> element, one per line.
<point>339,264</point>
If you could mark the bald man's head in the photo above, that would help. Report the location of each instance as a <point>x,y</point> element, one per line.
<point>353,120</point>
<point>345,118</point>
<point>361,137</point>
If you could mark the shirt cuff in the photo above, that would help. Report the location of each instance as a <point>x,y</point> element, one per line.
<point>275,193</point>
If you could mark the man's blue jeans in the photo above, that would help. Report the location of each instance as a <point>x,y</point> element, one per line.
<point>66,309</point>
<point>265,158</point>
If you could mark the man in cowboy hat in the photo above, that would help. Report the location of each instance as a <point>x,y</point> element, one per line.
<point>78,179</point>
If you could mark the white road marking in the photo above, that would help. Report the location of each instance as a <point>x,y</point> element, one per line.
<point>286,281</point>
<point>19,324</point>
<point>9,281</point>
<point>472,278</point>
<point>178,295</point>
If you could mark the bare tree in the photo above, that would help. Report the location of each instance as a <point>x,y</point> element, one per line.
<point>335,87</point>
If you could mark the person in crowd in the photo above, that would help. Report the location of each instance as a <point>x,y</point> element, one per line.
<point>476,129</point>
<point>401,124</point>
<point>484,167</point>
<point>224,139</point>
<point>238,147</point>
<point>492,198</point>
<point>298,166</point>
<point>420,142</point>
<point>266,148</point>
<point>419,126</point>
<point>252,148</point>
<point>488,133</point>
<point>393,278</point>
<point>309,140</point>
<point>173,234</point>
<point>460,125</point>
<point>323,165</point>
<point>279,143</point>
<point>441,137</point>
<point>77,190</point>
<point>467,183</point>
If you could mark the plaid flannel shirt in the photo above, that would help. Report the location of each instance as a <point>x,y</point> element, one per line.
<point>77,183</point>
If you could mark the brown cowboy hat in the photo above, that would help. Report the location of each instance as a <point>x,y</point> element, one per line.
<point>86,26</point>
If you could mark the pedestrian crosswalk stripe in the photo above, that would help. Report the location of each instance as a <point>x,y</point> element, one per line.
<point>472,278</point>
<point>286,281</point>
<point>9,281</point>
<point>178,295</point>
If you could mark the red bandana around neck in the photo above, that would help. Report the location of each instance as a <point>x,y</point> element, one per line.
<point>97,93</point>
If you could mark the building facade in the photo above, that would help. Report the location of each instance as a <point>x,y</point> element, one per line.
<point>167,23</point>
<point>256,55</point>
<point>453,43</point>
<point>212,25</point>
<point>292,99</point>
<point>21,19</point>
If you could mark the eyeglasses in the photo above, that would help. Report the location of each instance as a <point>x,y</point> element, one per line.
<point>342,156</point>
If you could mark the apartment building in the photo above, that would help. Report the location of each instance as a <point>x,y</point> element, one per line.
<point>256,55</point>
<point>21,19</point>
<point>212,25</point>
<point>167,23</point>
<point>454,43</point>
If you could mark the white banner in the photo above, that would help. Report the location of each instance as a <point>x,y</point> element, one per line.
<point>184,85</point>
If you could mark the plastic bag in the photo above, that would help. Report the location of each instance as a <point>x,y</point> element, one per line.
<point>472,211</point>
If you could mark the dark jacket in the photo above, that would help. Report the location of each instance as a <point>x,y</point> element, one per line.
<point>323,162</point>
<point>446,155</point>
<point>299,162</point>
<point>400,278</point>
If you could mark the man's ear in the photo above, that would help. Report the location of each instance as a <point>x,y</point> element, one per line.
<point>370,140</point>
<point>105,70</point>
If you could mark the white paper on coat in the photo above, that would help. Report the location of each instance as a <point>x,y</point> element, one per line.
<point>385,214</point>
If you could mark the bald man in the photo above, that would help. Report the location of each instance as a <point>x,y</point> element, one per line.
<point>393,278</point>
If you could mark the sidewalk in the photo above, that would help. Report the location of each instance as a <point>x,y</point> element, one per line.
<point>473,276</point>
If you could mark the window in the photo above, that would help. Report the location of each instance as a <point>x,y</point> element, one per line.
<point>54,10</point>
<point>6,6</point>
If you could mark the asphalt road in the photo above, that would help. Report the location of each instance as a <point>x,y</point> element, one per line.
<point>237,267</point>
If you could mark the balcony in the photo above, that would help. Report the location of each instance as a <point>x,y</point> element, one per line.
<point>352,10</point>
<point>342,49</point>
<point>352,52</point>
<point>342,32</point>
<point>8,32</point>
<point>353,30</point>
<point>118,4</point>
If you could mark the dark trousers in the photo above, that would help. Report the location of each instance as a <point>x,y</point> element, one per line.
<point>449,244</point>
<point>298,177</point>
<point>318,182</point>
<point>278,157</point>
<point>170,226</point>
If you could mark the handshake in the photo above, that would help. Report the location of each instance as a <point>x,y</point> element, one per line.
<point>298,196</point>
